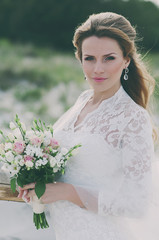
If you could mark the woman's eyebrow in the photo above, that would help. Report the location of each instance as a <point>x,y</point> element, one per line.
<point>103,55</point>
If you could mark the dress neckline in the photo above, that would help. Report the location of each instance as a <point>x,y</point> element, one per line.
<point>108,101</point>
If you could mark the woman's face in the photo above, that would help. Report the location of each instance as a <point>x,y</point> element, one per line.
<point>103,64</point>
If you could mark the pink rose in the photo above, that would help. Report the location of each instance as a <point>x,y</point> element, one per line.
<point>28,158</point>
<point>36,141</point>
<point>18,147</point>
<point>45,155</point>
<point>53,143</point>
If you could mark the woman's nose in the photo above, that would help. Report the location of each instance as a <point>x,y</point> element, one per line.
<point>98,67</point>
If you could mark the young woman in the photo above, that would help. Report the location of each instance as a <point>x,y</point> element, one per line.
<point>108,183</point>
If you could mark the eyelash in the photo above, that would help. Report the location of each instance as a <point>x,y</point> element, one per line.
<point>107,58</point>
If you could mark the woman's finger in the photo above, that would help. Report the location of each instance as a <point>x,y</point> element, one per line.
<point>28,186</point>
<point>30,193</point>
<point>21,192</point>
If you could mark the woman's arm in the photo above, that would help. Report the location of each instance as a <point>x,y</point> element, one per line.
<point>54,192</point>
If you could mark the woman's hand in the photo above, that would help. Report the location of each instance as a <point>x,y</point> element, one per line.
<point>53,192</point>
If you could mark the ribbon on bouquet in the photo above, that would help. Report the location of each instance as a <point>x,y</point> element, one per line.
<point>37,206</point>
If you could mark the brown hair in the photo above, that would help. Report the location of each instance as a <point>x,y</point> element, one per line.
<point>107,24</point>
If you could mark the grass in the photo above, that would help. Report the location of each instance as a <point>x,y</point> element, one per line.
<point>33,77</point>
<point>43,67</point>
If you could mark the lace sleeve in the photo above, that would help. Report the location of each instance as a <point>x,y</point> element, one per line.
<point>133,194</point>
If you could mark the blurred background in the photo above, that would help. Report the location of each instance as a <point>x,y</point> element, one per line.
<point>40,77</point>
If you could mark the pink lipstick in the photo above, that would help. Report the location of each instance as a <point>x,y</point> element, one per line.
<point>99,79</point>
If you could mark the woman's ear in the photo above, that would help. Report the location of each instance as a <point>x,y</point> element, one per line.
<point>127,61</point>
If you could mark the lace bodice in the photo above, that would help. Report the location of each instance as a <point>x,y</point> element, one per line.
<point>112,171</point>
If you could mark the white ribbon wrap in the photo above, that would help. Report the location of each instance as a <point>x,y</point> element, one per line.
<point>37,206</point>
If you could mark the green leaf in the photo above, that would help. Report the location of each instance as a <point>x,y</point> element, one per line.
<point>19,182</point>
<point>40,189</point>
<point>13,184</point>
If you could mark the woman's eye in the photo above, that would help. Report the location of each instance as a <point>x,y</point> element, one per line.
<point>109,58</point>
<point>89,58</point>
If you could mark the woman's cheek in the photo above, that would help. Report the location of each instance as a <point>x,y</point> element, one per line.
<point>115,67</point>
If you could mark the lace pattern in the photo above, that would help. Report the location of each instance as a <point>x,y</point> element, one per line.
<point>112,172</point>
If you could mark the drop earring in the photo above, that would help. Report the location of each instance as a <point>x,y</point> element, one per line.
<point>126,74</point>
<point>85,78</point>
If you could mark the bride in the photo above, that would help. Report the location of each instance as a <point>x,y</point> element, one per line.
<point>106,192</point>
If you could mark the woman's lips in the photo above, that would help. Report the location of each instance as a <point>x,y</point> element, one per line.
<point>99,79</point>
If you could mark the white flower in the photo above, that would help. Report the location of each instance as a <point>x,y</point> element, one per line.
<point>59,157</point>
<point>46,141</point>
<point>19,160</point>
<point>17,134</point>
<point>8,146</point>
<point>12,126</point>
<point>38,163</point>
<point>55,170</point>
<point>29,164</point>
<point>9,156</point>
<point>64,150</point>
<point>41,162</point>
<point>47,138</point>
<point>44,161</point>
<point>12,169</point>
<point>48,134</point>
<point>59,164</point>
<point>4,168</point>
<point>29,134</point>
<point>33,150</point>
<point>38,151</point>
<point>52,161</point>
<point>11,136</point>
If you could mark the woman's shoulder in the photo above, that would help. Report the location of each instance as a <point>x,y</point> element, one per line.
<point>85,94</point>
<point>132,110</point>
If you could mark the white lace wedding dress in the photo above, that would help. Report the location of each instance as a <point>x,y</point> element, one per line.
<point>111,172</point>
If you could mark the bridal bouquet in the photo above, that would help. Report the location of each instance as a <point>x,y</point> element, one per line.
<point>33,156</point>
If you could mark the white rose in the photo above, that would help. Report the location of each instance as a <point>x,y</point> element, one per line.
<point>12,126</point>
<point>11,136</point>
<point>29,164</point>
<point>21,162</point>
<point>18,158</point>
<point>52,161</point>
<point>55,170</point>
<point>8,146</point>
<point>64,150</point>
<point>9,156</point>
